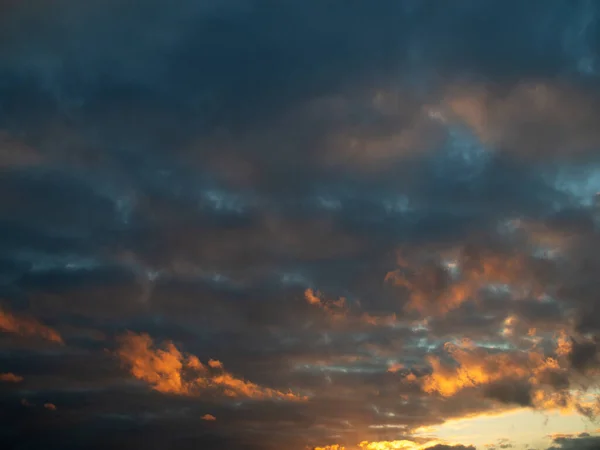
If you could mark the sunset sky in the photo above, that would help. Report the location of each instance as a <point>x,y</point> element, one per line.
<point>300,224</point>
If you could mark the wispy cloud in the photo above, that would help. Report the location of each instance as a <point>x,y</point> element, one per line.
<point>10,378</point>
<point>26,326</point>
<point>170,371</point>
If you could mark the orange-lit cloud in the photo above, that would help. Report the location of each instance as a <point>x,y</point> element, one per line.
<point>340,310</point>
<point>564,345</point>
<point>209,417</point>
<point>215,364</point>
<point>562,435</point>
<point>330,447</point>
<point>377,321</point>
<point>547,379</point>
<point>50,406</point>
<point>337,309</point>
<point>10,378</point>
<point>26,326</point>
<point>168,370</point>
<point>475,367</point>
<point>395,367</point>
<point>312,297</point>
<point>432,289</point>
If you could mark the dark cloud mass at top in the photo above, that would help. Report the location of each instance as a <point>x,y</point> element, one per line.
<point>260,224</point>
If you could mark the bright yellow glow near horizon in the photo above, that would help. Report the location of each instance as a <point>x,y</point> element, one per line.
<point>522,426</point>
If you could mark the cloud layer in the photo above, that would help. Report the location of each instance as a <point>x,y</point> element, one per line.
<point>254,224</point>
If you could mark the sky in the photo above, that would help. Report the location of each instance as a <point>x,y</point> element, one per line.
<point>300,224</point>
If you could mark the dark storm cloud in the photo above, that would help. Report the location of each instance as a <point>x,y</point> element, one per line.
<point>192,170</point>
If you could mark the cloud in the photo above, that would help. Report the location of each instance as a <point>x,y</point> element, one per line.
<point>14,154</point>
<point>398,445</point>
<point>26,326</point>
<point>450,447</point>
<point>526,378</point>
<point>395,367</point>
<point>403,130</point>
<point>405,444</point>
<point>238,179</point>
<point>208,417</point>
<point>583,354</point>
<point>337,309</point>
<point>215,364</point>
<point>169,371</point>
<point>510,392</point>
<point>531,120</point>
<point>474,367</point>
<point>343,312</point>
<point>581,442</point>
<point>436,286</point>
<point>10,378</point>
<point>501,443</point>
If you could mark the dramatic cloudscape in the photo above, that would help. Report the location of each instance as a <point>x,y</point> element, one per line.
<point>300,224</point>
